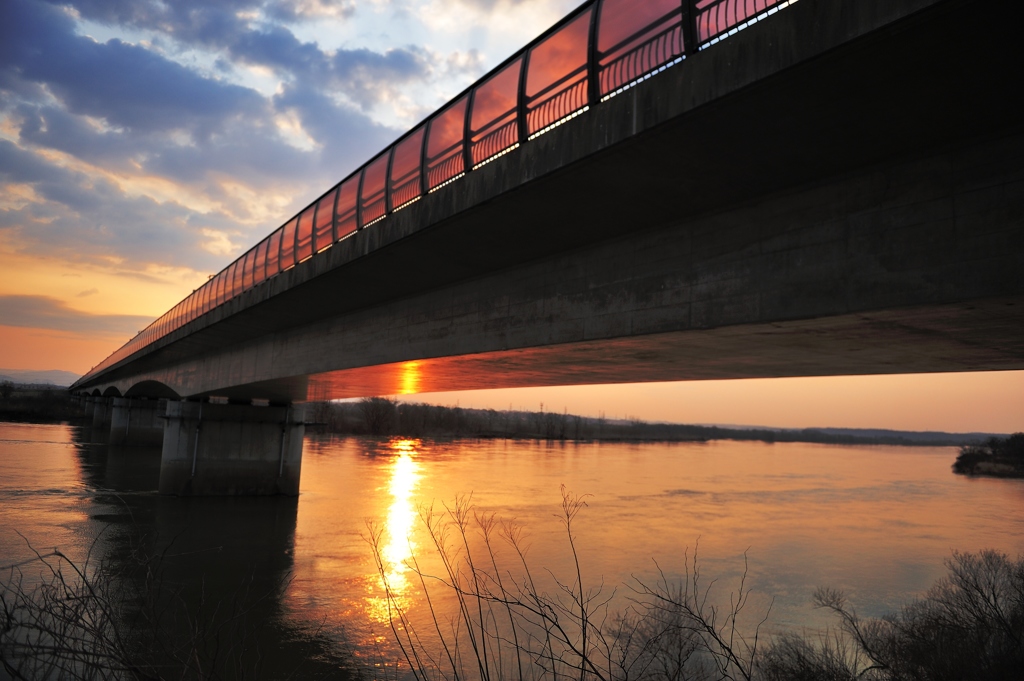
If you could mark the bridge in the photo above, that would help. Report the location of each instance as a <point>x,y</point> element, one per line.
<point>648,191</point>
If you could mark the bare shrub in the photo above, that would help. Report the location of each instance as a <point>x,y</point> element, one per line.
<point>60,619</point>
<point>969,625</point>
<point>829,656</point>
<point>64,622</point>
<point>695,638</point>
<point>507,625</point>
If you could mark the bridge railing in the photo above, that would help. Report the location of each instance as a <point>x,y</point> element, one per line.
<point>600,49</point>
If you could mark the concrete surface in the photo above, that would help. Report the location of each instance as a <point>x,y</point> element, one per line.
<point>227,449</point>
<point>137,421</point>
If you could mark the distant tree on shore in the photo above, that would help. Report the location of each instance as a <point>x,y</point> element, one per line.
<point>378,415</point>
<point>1001,457</point>
<point>6,388</point>
<point>385,416</point>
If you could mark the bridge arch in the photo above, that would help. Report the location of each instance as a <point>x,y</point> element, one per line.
<point>153,389</point>
<point>112,391</point>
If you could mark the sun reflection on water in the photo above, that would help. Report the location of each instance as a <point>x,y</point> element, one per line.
<point>398,545</point>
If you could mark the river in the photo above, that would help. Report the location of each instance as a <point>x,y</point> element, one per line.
<point>876,522</point>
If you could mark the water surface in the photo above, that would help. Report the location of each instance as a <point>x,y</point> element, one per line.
<point>876,522</point>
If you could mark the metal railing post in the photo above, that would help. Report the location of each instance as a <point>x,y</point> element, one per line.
<point>334,217</point>
<point>522,128</point>
<point>467,133</point>
<point>424,182</point>
<point>359,199</point>
<point>691,35</point>
<point>312,237</point>
<point>593,86</point>
<point>388,208</point>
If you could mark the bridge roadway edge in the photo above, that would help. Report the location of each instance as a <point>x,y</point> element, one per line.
<point>586,345</point>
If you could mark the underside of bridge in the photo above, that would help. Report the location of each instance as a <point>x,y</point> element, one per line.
<point>837,190</point>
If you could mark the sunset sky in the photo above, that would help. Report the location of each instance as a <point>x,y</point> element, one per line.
<point>144,145</point>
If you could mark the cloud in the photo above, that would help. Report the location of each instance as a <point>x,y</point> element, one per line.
<point>122,84</point>
<point>190,129</point>
<point>367,77</point>
<point>78,215</point>
<point>167,156</point>
<point>43,312</point>
<point>87,293</point>
<point>305,10</point>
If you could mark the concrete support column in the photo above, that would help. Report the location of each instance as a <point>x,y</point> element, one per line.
<point>137,421</point>
<point>89,406</point>
<point>101,409</point>
<point>229,449</point>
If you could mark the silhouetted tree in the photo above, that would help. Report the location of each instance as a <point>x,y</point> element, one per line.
<point>1002,456</point>
<point>969,626</point>
<point>379,414</point>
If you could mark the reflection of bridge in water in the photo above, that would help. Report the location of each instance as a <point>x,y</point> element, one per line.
<point>834,189</point>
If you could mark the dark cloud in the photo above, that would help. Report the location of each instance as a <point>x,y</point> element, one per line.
<point>119,111</point>
<point>43,312</point>
<point>366,76</point>
<point>53,127</point>
<point>360,74</point>
<point>143,100</point>
<point>189,20</point>
<point>205,20</point>
<point>307,10</point>
<point>124,85</point>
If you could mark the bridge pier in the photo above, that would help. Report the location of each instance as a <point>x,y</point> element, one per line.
<point>137,421</point>
<point>87,406</point>
<point>101,412</point>
<point>230,449</point>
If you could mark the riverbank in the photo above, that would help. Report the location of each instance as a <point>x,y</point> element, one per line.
<point>381,416</point>
<point>34,403</point>
<point>996,458</point>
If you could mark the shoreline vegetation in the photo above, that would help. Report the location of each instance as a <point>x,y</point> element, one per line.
<point>383,416</point>
<point>997,457</point>
<point>37,403</point>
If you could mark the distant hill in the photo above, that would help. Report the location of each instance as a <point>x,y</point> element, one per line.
<point>49,377</point>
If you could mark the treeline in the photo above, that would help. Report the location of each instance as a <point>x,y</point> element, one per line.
<point>384,416</point>
<point>999,457</point>
<point>36,403</point>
